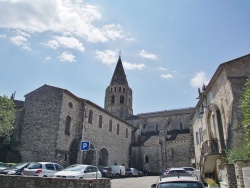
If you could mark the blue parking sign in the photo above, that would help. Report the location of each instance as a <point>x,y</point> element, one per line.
<point>85,145</point>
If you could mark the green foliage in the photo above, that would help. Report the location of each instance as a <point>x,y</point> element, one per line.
<point>245,108</point>
<point>239,153</point>
<point>7,118</point>
<point>210,181</point>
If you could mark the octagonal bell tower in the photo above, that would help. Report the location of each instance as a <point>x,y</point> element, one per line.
<point>118,96</point>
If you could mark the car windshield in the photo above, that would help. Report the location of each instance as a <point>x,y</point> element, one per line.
<point>75,168</point>
<point>180,185</point>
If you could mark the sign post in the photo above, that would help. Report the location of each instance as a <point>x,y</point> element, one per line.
<point>85,146</point>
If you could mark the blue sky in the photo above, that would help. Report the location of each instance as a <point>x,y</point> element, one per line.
<point>168,47</point>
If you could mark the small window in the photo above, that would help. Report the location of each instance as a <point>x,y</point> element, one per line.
<point>124,90</point>
<point>67,126</point>
<point>49,166</point>
<point>66,156</point>
<point>111,89</point>
<point>146,159</point>
<point>115,89</point>
<point>120,89</point>
<point>110,125</point>
<point>112,99</point>
<point>90,117</point>
<point>118,129</point>
<point>121,99</point>
<point>126,132</point>
<point>100,121</point>
<point>70,105</point>
<point>181,126</point>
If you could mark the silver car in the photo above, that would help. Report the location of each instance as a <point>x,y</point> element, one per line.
<point>42,169</point>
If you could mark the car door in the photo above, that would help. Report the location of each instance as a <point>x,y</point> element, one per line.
<point>90,172</point>
<point>50,170</point>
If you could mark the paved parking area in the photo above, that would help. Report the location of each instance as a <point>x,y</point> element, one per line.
<point>134,182</point>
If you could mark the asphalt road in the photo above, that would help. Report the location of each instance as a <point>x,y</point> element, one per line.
<point>134,182</point>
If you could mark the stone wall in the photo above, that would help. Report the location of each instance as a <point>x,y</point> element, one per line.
<point>178,151</point>
<point>38,182</point>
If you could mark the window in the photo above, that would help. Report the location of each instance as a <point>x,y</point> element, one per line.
<point>121,99</point>
<point>90,117</point>
<point>197,138</point>
<point>67,127</point>
<point>66,156</point>
<point>110,125</point>
<point>126,132</point>
<point>124,90</point>
<point>70,105</point>
<point>181,126</point>
<point>146,159</point>
<point>118,129</point>
<point>111,89</point>
<point>171,152</point>
<point>100,121</point>
<point>58,167</point>
<point>112,99</point>
<point>115,89</point>
<point>120,89</point>
<point>49,166</point>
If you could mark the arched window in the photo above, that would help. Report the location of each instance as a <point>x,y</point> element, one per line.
<point>110,125</point>
<point>146,159</point>
<point>112,99</point>
<point>121,99</point>
<point>100,121</point>
<point>118,129</point>
<point>90,117</point>
<point>67,126</point>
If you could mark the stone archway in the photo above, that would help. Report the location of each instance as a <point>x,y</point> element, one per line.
<point>103,157</point>
<point>89,157</point>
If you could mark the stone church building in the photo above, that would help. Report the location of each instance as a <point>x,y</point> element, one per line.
<point>52,122</point>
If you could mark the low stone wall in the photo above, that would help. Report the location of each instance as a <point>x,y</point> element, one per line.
<point>42,182</point>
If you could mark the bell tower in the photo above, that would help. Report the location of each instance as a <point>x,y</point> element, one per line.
<point>118,96</point>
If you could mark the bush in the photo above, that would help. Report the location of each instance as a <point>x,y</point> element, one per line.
<point>239,153</point>
<point>210,181</point>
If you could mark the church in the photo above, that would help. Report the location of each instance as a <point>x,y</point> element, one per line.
<point>52,122</point>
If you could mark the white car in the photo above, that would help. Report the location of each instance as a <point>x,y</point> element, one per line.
<point>79,171</point>
<point>42,169</point>
<point>192,170</point>
<point>178,180</point>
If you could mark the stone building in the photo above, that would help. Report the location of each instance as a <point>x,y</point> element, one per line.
<point>55,121</point>
<point>217,118</point>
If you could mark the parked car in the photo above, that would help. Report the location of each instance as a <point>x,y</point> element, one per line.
<point>165,172</point>
<point>131,172</point>
<point>118,171</point>
<point>176,170</point>
<point>79,171</point>
<point>178,180</point>
<point>17,169</point>
<point>192,170</point>
<point>3,166</point>
<point>42,169</point>
<point>140,173</point>
<point>106,171</point>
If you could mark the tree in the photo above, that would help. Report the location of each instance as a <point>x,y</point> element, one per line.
<point>7,118</point>
<point>245,107</point>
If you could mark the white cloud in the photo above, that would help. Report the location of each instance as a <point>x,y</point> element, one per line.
<point>132,66</point>
<point>47,58</point>
<point>147,55</point>
<point>58,16</point>
<point>167,76</point>
<point>199,80</point>
<point>66,56</point>
<point>21,41</point>
<point>68,42</point>
<point>107,57</point>
<point>162,68</point>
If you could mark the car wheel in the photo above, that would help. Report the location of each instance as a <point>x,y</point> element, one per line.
<point>130,175</point>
